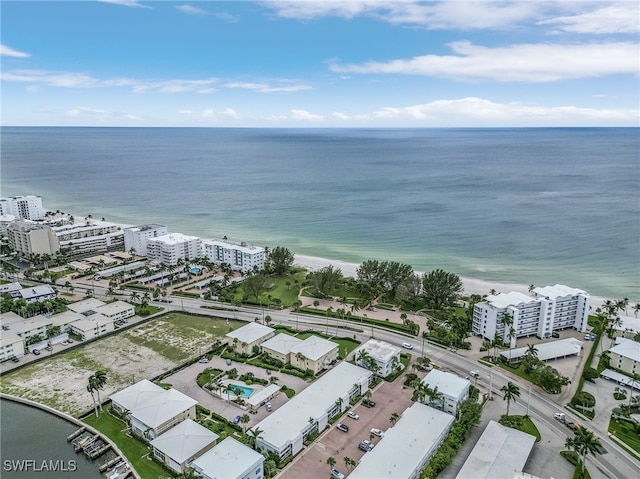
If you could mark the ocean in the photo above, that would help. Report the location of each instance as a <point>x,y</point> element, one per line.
<point>530,206</point>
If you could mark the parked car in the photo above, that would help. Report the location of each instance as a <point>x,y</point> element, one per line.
<point>377,432</point>
<point>70,341</point>
<point>203,359</point>
<point>14,359</point>
<point>366,402</point>
<point>269,406</point>
<point>407,346</point>
<point>36,352</point>
<point>365,445</point>
<point>353,415</point>
<point>336,474</point>
<point>65,342</point>
<point>342,427</point>
<point>49,348</point>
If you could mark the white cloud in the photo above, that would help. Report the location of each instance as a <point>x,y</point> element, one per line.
<point>190,10</point>
<point>530,63</point>
<point>208,114</point>
<point>620,17</point>
<point>473,111</point>
<point>265,88</point>
<point>85,113</point>
<point>339,115</point>
<point>465,15</point>
<point>10,52</point>
<point>305,115</point>
<point>126,3</point>
<point>230,113</point>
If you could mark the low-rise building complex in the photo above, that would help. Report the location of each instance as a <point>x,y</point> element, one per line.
<point>452,390</point>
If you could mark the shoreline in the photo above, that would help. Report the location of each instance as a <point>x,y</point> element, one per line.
<point>470,285</point>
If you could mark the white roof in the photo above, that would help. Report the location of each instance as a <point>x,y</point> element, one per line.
<point>405,446</point>
<point>184,440</point>
<point>250,249</point>
<point>89,304</point>
<point>139,393</point>
<point>9,337</point>
<point>9,287</point>
<point>292,418</point>
<point>379,350</point>
<point>262,395</point>
<point>9,318</point>
<point>87,324</point>
<point>628,323</point>
<point>448,384</point>
<point>499,453</point>
<point>620,378</point>
<point>115,307</point>
<point>65,318</point>
<point>36,291</point>
<point>628,349</point>
<point>228,460</point>
<point>251,332</point>
<point>504,300</point>
<point>314,347</point>
<point>30,324</point>
<point>173,238</point>
<point>549,349</point>
<point>162,407</point>
<point>281,343</point>
<point>558,291</point>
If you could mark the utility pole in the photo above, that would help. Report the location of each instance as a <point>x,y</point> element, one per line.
<point>528,400</point>
<point>490,385</point>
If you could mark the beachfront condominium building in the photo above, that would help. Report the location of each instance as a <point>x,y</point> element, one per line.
<point>240,257</point>
<point>406,447</point>
<point>27,207</point>
<point>89,237</point>
<point>549,309</point>
<point>386,356</point>
<point>27,238</point>
<point>308,412</point>
<point>625,356</point>
<point>136,237</point>
<point>168,249</point>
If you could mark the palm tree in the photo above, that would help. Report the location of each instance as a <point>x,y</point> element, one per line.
<point>585,442</point>
<point>100,379</point>
<point>511,392</point>
<point>254,434</point>
<point>91,386</point>
<point>331,461</point>
<point>532,352</point>
<point>394,418</point>
<point>245,420</point>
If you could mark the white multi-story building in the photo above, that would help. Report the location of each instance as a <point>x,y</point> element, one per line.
<point>90,236</point>
<point>27,207</point>
<point>386,356</point>
<point>285,429</point>
<point>136,237</point>
<point>26,238</point>
<point>170,248</point>
<point>549,309</point>
<point>239,256</point>
<point>11,345</point>
<point>452,390</point>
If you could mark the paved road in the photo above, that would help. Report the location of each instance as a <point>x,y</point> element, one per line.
<point>615,464</point>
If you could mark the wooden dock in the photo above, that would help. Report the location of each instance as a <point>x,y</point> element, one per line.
<point>75,434</point>
<point>98,452</point>
<point>110,463</point>
<point>85,442</point>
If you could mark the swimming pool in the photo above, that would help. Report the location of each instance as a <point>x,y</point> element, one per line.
<point>246,392</point>
<point>195,270</point>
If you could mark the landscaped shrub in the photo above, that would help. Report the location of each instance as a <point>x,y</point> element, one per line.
<point>584,399</point>
<point>202,410</point>
<point>590,374</point>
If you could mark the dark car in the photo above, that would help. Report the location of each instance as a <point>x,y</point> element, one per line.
<point>36,352</point>
<point>14,359</point>
<point>366,402</point>
<point>342,427</point>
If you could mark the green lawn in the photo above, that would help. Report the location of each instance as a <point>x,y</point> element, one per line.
<point>624,431</point>
<point>521,423</point>
<point>279,289</point>
<point>572,457</point>
<point>135,451</point>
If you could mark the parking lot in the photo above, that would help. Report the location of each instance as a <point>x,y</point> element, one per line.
<point>312,462</point>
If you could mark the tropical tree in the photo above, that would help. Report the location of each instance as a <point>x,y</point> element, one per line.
<point>441,288</point>
<point>256,285</point>
<point>254,434</point>
<point>585,442</point>
<point>325,279</point>
<point>91,387</point>
<point>331,461</point>
<point>100,379</point>
<point>394,418</point>
<point>280,259</point>
<point>245,419</point>
<point>511,392</point>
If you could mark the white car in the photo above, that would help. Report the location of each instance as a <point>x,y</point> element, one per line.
<point>377,432</point>
<point>407,346</point>
<point>353,415</point>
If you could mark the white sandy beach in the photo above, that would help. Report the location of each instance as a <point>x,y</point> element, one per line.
<point>471,285</point>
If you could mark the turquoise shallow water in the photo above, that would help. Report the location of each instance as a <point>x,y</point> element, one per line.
<point>541,206</point>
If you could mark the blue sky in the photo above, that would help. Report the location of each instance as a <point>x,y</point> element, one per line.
<point>400,63</point>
